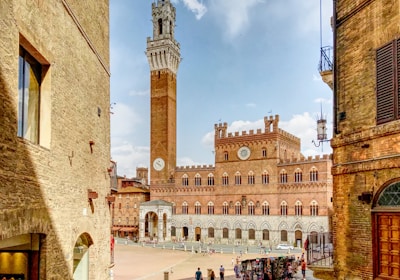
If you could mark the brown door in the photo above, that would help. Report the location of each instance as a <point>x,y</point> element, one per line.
<point>388,244</point>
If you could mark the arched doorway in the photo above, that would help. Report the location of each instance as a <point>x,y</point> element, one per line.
<point>298,234</point>
<point>386,228</point>
<point>197,233</point>
<point>151,225</point>
<point>81,257</point>
<point>185,232</point>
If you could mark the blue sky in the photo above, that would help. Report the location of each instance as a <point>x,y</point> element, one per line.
<point>242,60</point>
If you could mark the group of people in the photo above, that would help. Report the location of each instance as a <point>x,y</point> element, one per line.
<point>199,275</point>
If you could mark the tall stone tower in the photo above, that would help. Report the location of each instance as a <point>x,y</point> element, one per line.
<point>163,54</point>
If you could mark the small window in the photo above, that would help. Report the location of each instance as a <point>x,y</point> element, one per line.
<point>283,177</point>
<point>250,178</point>
<point>225,179</point>
<point>197,180</point>
<point>264,153</point>
<point>226,156</point>
<point>238,179</point>
<point>29,82</point>
<point>265,178</point>
<point>210,180</point>
<point>225,208</point>
<point>313,175</point>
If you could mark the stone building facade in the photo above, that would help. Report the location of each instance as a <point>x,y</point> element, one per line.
<point>366,137</point>
<point>260,188</point>
<point>127,199</point>
<point>54,139</point>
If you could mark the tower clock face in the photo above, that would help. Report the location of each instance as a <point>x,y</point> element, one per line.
<point>243,153</point>
<point>158,164</point>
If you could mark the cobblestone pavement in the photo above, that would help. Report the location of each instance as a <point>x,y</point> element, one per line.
<point>135,261</point>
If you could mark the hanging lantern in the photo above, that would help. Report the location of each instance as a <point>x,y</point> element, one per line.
<point>321,129</point>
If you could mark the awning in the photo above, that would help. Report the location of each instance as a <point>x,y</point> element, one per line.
<point>115,228</point>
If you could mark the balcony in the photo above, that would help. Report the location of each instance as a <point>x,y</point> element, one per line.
<point>325,66</point>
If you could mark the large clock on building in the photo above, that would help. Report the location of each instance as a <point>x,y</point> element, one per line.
<point>158,164</point>
<point>244,153</point>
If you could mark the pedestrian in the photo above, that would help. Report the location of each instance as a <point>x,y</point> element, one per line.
<point>212,275</point>
<point>198,275</point>
<point>221,272</point>
<point>303,268</point>
<point>289,270</point>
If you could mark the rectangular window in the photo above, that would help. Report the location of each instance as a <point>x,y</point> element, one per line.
<point>387,82</point>
<point>29,80</point>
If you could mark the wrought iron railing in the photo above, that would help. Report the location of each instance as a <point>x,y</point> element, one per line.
<point>319,248</point>
<point>325,62</point>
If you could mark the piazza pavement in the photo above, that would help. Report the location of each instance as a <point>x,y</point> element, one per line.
<point>179,261</point>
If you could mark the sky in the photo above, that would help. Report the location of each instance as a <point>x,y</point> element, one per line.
<point>242,60</point>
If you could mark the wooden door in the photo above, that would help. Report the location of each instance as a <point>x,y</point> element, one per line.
<point>388,244</point>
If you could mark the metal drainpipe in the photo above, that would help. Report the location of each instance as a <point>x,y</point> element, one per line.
<point>335,101</point>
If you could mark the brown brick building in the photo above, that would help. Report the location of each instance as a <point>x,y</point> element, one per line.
<point>366,141</point>
<point>54,139</point>
<point>260,189</point>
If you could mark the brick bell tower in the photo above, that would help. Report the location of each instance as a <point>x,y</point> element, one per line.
<point>163,54</point>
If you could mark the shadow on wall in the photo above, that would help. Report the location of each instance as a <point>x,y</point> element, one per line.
<point>27,240</point>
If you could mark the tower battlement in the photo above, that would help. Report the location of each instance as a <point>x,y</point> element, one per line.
<point>309,159</point>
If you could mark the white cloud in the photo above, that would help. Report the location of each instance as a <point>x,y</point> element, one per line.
<point>123,120</point>
<point>129,157</point>
<point>198,8</point>
<point>139,92</point>
<point>234,14</point>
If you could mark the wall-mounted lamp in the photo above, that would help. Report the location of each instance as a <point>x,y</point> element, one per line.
<point>365,197</point>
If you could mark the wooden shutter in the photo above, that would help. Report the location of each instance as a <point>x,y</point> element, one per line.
<point>385,84</point>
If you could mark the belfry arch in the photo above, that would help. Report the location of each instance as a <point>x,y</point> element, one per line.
<point>155,220</point>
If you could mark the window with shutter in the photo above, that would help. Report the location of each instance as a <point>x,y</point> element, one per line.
<point>387,82</point>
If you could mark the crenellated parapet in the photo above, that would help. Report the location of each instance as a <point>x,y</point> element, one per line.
<point>195,168</point>
<point>305,160</point>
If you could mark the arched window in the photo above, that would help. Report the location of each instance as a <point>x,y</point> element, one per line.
<point>185,180</point>
<point>210,180</point>
<point>252,234</point>
<point>390,196</point>
<point>238,233</point>
<point>314,208</point>
<point>284,235</point>
<point>238,208</point>
<point>265,234</point>
<point>298,208</point>
<point>251,208</point>
<point>283,177</point>
<point>265,178</point>
<point>265,208</point>
<point>313,175</point>
<point>283,208</point>
<point>225,233</point>
<point>250,178</point>
<point>210,208</point>
<point>211,232</point>
<point>298,175</point>
<point>225,179</point>
<point>160,24</point>
<point>185,208</point>
<point>238,178</point>
<point>197,180</point>
<point>264,152</point>
<point>197,208</point>
<point>225,208</point>
<point>226,156</point>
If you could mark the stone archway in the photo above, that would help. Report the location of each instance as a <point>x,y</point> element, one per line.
<point>155,220</point>
<point>81,256</point>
